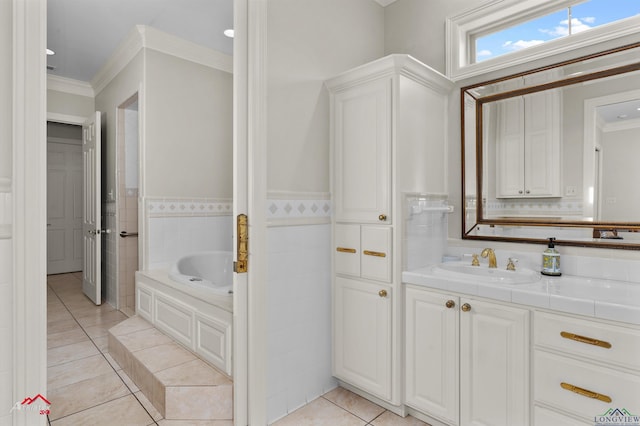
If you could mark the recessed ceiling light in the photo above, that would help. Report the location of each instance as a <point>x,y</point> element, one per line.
<point>50,52</point>
<point>229,32</point>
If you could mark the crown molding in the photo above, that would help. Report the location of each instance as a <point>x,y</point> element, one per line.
<point>146,37</point>
<point>70,86</point>
<point>384,3</point>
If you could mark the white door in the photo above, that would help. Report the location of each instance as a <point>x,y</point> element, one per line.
<point>64,207</point>
<point>91,213</point>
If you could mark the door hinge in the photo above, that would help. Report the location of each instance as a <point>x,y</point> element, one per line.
<point>242,252</point>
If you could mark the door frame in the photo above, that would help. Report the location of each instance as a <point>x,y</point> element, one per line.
<point>29,328</point>
<point>29,192</point>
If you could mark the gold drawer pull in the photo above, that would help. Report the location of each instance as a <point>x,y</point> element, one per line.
<point>587,340</point>
<point>585,392</point>
<point>374,253</point>
<point>345,250</point>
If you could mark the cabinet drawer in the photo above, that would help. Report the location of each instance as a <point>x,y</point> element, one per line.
<point>545,417</point>
<point>375,260</point>
<point>347,255</point>
<point>614,388</point>
<point>586,338</point>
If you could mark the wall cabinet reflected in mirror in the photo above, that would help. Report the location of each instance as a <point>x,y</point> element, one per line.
<point>555,152</point>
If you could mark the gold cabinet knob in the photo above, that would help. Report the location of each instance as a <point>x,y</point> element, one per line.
<point>450,304</point>
<point>382,217</point>
<point>466,307</point>
<point>382,293</point>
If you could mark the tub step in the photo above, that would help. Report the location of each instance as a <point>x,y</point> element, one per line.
<point>179,384</point>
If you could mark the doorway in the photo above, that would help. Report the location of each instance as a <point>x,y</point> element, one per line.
<point>127,256</point>
<point>64,198</point>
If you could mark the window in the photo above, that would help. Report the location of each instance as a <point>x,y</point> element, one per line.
<point>564,22</point>
<point>501,33</point>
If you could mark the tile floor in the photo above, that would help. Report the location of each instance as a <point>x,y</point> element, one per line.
<point>87,387</point>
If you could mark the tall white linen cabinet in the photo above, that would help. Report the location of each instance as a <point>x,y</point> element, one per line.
<point>388,139</point>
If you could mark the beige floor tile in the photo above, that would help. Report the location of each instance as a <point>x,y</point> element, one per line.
<point>195,423</point>
<point>130,325</point>
<point>390,419</point>
<point>199,403</point>
<point>320,412</point>
<point>58,314</point>
<point>144,339</point>
<point>55,340</point>
<point>155,414</point>
<point>123,411</point>
<point>355,404</point>
<point>194,373</point>
<point>162,357</point>
<point>91,309</point>
<point>76,371</point>
<point>85,394</point>
<point>102,343</point>
<point>100,329</point>
<point>59,326</point>
<point>101,318</point>
<point>72,352</point>
<point>112,362</point>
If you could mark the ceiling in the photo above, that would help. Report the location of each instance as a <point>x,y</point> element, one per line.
<point>84,33</point>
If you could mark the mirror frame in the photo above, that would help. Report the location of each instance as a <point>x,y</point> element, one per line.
<point>599,228</point>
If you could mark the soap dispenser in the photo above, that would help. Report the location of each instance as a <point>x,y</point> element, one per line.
<point>551,260</point>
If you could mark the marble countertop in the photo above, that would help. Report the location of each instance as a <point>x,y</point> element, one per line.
<point>598,298</point>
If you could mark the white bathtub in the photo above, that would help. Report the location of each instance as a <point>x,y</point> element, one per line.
<point>198,314</point>
<point>210,270</point>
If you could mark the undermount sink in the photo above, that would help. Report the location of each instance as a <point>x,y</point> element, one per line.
<point>462,270</point>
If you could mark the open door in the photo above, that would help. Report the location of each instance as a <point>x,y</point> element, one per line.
<point>91,212</point>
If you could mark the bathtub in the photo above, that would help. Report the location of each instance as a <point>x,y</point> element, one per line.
<point>196,313</point>
<point>209,270</point>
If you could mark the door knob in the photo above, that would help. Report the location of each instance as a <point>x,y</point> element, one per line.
<point>466,307</point>
<point>382,293</point>
<point>382,217</point>
<point>450,304</point>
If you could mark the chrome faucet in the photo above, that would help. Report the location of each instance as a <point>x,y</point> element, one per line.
<point>492,257</point>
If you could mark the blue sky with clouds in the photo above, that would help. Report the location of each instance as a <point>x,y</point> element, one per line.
<point>584,16</point>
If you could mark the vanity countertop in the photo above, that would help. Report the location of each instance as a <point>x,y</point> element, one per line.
<point>599,298</point>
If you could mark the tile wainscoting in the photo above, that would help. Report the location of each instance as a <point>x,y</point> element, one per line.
<point>176,227</point>
<point>299,301</point>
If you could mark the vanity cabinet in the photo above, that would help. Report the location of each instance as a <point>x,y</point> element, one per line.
<point>528,146</point>
<point>467,360</point>
<point>583,368</point>
<point>388,134</point>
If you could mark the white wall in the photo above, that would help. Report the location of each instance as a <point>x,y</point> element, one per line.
<point>308,42</point>
<point>69,104</point>
<point>188,125</point>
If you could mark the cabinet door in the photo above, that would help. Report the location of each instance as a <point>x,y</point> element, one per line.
<point>362,157</point>
<point>431,356</point>
<point>362,335</point>
<point>542,144</point>
<point>510,148</point>
<point>346,238</point>
<point>494,364</point>
<point>375,242</point>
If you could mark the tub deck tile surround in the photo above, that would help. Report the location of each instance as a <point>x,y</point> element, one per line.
<point>81,397</point>
<point>176,382</point>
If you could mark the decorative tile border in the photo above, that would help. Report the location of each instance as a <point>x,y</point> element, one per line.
<point>172,207</point>
<point>301,208</point>
<point>529,207</point>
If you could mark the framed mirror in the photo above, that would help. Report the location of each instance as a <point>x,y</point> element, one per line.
<point>555,152</point>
